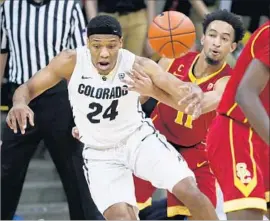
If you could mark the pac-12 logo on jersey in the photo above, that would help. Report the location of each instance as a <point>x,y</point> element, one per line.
<point>121,76</point>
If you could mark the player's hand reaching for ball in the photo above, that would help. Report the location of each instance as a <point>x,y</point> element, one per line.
<point>192,100</point>
<point>19,114</point>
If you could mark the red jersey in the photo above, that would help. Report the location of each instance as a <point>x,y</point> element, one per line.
<point>176,126</point>
<point>257,47</point>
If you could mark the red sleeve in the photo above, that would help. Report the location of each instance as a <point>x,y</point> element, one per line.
<point>260,46</point>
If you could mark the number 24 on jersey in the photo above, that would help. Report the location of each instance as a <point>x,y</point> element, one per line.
<point>109,113</point>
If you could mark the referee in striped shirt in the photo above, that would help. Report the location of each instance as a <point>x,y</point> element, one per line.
<point>32,33</point>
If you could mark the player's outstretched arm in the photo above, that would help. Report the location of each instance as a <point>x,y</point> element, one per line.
<point>147,83</point>
<point>210,99</point>
<point>142,83</point>
<point>247,96</point>
<point>165,81</point>
<point>61,67</point>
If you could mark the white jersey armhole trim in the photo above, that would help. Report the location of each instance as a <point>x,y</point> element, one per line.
<point>74,77</point>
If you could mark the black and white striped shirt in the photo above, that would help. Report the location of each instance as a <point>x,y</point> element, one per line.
<point>33,33</point>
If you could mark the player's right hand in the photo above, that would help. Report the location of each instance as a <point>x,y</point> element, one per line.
<point>19,113</point>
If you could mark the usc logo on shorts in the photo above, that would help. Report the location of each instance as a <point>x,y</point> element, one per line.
<point>243,173</point>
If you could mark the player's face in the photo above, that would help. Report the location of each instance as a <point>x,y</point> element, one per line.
<point>218,41</point>
<point>104,51</point>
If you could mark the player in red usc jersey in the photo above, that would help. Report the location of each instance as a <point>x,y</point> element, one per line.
<point>252,83</point>
<point>208,70</point>
<point>238,139</point>
<point>186,135</point>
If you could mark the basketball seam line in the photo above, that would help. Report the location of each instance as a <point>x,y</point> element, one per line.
<point>182,44</point>
<point>164,46</point>
<point>169,22</point>
<point>185,33</point>
<point>180,23</point>
<point>169,42</point>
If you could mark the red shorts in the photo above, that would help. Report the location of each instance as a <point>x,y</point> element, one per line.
<point>240,161</point>
<point>196,158</point>
<point>143,191</point>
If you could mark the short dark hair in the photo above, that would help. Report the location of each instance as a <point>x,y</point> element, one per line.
<point>104,24</point>
<point>226,16</point>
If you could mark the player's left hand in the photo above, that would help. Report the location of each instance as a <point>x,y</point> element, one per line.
<point>75,133</point>
<point>139,82</point>
<point>193,100</point>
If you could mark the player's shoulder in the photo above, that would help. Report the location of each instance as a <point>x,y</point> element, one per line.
<point>262,33</point>
<point>68,54</point>
<point>191,54</point>
<point>264,27</point>
<point>222,75</point>
<point>72,53</point>
<point>65,60</point>
<point>183,62</point>
<point>227,70</point>
<point>187,58</point>
<point>127,58</point>
<point>168,62</point>
<point>125,52</point>
<point>258,40</point>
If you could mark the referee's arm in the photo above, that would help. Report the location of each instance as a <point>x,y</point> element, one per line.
<point>78,26</point>
<point>3,44</point>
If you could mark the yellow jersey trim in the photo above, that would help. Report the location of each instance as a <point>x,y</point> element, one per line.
<point>147,203</point>
<point>245,203</point>
<point>198,81</point>
<point>246,190</point>
<point>177,210</point>
<point>254,40</point>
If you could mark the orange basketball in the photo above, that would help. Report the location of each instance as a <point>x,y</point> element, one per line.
<point>171,34</point>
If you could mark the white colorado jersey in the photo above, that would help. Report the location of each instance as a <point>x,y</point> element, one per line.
<point>104,113</point>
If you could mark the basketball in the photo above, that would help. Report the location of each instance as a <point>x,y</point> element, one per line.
<point>171,34</point>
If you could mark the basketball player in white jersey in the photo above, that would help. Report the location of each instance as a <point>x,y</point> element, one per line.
<point>118,139</point>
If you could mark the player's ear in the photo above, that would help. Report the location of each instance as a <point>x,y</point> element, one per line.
<point>233,47</point>
<point>202,39</point>
<point>121,42</point>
